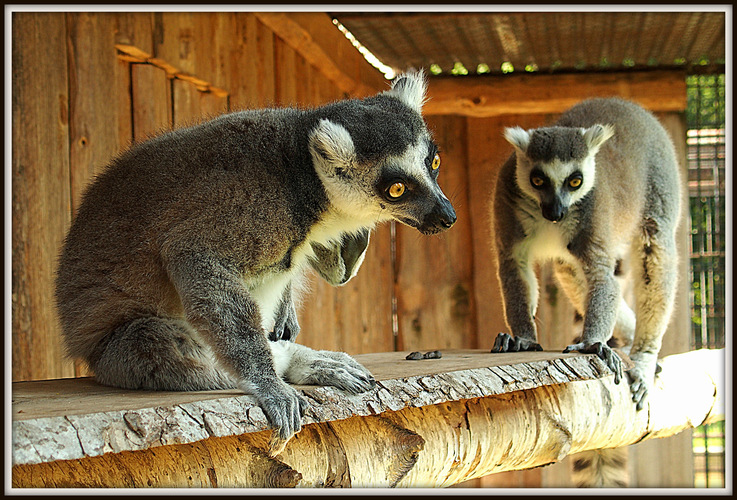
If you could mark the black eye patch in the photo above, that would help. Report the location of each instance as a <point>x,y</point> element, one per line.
<point>432,153</point>
<point>538,179</point>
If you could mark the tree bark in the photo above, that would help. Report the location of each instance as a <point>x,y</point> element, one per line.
<point>432,445</point>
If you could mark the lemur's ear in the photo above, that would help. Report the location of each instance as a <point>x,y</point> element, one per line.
<point>331,143</point>
<point>518,137</point>
<point>596,135</point>
<point>410,88</point>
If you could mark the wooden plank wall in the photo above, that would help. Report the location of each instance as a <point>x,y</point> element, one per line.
<point>86,85</point>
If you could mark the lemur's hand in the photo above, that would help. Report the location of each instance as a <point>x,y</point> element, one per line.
<point>606,353</point>
<point>507,343</point>
<point>284,408</point>
<point>642,376</point>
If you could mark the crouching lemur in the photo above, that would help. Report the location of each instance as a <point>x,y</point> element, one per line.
<point>180,268</point>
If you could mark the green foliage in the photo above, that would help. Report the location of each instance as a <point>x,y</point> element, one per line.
<point>705,95</point>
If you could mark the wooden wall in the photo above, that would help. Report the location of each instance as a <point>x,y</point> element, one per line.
<point>86,85</point>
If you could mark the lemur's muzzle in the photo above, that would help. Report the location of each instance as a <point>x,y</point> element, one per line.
<point>442,217</point>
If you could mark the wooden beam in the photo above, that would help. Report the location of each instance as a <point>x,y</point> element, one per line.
<point>487,96</point>
<point>321,49</point>
<point>428,423</point>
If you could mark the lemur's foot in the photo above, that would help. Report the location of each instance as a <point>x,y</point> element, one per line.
<point>507,343</point>
<point>606,353</point>
<point>346,373</point>
<point>324,368</point>
<point>642,377</point>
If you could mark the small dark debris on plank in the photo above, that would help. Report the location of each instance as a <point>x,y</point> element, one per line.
<point>414,355</point>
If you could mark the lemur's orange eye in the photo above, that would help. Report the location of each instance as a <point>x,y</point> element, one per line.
<point>436,162</point>
<point>537,181</point>
<point>575,183</point>
<point>396,190</point>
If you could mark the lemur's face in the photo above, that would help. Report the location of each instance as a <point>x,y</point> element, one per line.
<point>556,165</point>
<point>408,190</point>
<point>377,160</point>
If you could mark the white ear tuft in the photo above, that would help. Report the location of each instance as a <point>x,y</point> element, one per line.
<point>410,88</point>
<point>332,143</point>
<point>596,135</point>
<point>518,137</point>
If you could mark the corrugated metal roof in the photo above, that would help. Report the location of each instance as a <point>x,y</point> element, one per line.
<point>501,42</point>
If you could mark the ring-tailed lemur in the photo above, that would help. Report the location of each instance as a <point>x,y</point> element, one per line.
<point>598,190</point>
<point>183,253</point>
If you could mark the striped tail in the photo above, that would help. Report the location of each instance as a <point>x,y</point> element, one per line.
<point>601,468</point>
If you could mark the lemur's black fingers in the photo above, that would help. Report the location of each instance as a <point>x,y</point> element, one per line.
<point>604,352</point>
<point>507,343</point>
<point>501,344</point>
<point>639,396</point>
<point>534,346</point>
<point>574,347</point>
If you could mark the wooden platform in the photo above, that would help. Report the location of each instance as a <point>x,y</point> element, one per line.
<point>76,418</point>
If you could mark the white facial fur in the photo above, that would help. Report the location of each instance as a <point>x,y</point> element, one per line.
<point>556,170</point>
<point>344,179</point>
<point>356,197</point>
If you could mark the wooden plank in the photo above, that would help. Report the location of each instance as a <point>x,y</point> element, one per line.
<point>66,404</point>
<point>55,398</point>
<point>135,29</point>
<point>286,74</point>
<point>176,43</point>
<point>253,84</point>
<point>356,317</point>
<point>192,106</point>
<point>304,83</point>
<point>100,121</point>
<point>317,51</point>
<point>435,297</point>
<point>196,46</point>
<point>471,421</point>
<point>346,56</point>
<point>151,96</point>
<point>213,38</point>
<point>486,96</point>
<point>41,195</point>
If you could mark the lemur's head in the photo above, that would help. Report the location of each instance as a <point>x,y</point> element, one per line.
<point>377,159</point>
<point>555,165</point>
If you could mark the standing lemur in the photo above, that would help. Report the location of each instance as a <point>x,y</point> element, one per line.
<point>177,271</point>
<point>598,191</point>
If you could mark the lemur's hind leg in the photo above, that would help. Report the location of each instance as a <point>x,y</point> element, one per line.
<point>155,353</point>
<point>299,364</point>
<point>655,290</point>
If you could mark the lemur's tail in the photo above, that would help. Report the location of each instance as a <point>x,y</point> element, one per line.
<point>601,469</point>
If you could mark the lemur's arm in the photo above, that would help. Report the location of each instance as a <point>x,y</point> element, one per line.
<point>219,306</point>
<point>286,326</point>
<point>519,290</point>
<point>337,264</point>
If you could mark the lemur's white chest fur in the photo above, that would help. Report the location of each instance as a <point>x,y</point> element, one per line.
<point>544,241</point>
<point>267,290</point>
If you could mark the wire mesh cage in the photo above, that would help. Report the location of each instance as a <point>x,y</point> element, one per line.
<point>705,119</point>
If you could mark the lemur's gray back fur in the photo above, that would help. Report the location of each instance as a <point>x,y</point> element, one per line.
<point>185,250</point>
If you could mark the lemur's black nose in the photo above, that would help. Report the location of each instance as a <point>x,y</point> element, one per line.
<point>448,222</point>
<point>442,218</point>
